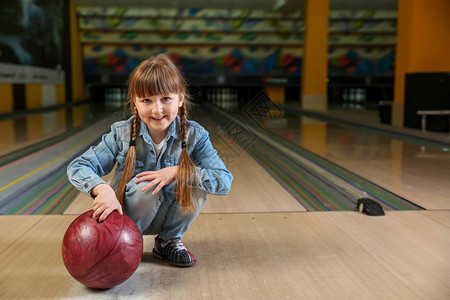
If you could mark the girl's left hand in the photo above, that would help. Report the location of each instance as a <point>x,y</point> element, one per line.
<point>161,178</point>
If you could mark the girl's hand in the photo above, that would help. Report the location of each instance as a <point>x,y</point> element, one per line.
<point>105,201</point>
<point>161,178</point>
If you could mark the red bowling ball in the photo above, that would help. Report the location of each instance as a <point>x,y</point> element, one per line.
<point>102,255</point>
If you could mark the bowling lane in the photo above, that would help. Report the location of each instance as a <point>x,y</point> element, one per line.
<point>418,173</point>
<point>254,189</point>
<point>37,183</point>
<point>19,131</point>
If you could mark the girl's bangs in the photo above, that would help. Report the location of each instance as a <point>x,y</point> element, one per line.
<point>158,80</point>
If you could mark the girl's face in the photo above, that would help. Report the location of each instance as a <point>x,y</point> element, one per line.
<point>158,112</point>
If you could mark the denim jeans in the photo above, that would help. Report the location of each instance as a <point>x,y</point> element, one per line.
<point>160,213</point>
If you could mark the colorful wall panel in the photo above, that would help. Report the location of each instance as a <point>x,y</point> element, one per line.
<point>241,42</point>
<point>197,61</point>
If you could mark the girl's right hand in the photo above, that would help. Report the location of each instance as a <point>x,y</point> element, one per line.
<point>105,201</point>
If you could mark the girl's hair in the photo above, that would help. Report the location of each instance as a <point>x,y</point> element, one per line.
<point>159,76</point>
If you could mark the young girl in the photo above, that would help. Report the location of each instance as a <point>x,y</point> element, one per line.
<point>165,163</point>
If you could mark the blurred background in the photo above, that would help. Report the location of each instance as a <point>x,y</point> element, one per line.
<point>384,56</point>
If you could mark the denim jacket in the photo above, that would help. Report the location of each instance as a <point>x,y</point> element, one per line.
<point>85,172</point>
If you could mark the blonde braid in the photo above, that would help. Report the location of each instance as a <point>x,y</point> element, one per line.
<point>136,123</point>
<point>130,161</point>
<point>187,179</point>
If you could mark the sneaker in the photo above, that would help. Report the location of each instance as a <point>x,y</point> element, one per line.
<point>174,252</point>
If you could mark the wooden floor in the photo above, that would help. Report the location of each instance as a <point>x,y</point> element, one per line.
<point>346,255</point>
<point>255,243</point>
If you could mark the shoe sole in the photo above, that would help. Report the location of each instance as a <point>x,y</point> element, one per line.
<point>158,255</point>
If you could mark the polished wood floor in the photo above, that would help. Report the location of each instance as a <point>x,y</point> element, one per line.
<point>259,243</point>
<point>418,173</point>
<point>27,129</point>
<point>345,255</point>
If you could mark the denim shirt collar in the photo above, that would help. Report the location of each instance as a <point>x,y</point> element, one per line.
<point>172,132</point>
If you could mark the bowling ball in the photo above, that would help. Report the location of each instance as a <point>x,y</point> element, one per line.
<point>102,254</point>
